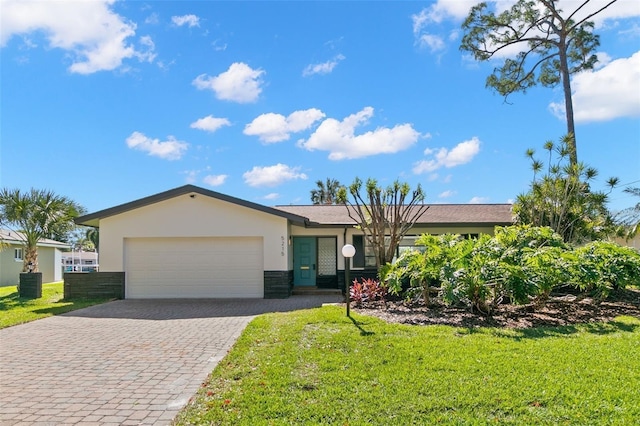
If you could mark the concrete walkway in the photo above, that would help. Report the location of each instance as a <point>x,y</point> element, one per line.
<point>128,362</point>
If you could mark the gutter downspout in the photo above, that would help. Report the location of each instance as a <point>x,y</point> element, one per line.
<point>344,237</point>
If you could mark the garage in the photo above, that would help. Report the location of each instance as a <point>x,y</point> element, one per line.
<point>194,267</point>
<point>191,242</point>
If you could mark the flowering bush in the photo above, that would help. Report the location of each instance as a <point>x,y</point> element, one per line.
<point>368,290</point>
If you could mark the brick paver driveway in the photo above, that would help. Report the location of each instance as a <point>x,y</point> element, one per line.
<point>127,362</point>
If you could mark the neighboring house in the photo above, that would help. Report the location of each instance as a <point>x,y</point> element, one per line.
<point>633,242</point>
<point>12,258</point>
<point>80,261</point>
<point>191,242</point>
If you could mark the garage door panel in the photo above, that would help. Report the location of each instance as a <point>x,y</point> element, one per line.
<point>194,267</point>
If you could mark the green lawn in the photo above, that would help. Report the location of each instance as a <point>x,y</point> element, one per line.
<point>320,367</point>
<point>16,310</point>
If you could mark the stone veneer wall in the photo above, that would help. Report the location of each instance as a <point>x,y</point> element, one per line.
<point>278,284</point>
<point>31,285</point>
<point>94,285</point>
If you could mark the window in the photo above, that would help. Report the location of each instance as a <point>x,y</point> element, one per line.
<point>358,258</point>
<point>365,256</point>
<point>327,257</point>
<point>17,254</point>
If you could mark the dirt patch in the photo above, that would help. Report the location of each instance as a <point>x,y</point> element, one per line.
<point>559,310</point>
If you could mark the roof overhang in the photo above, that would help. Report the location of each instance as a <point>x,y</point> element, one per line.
<point>93,219</point>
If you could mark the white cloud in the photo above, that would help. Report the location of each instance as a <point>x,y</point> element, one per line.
<point>219,46</point>
<point>148,55</point>
<point>153,19</point>
<point>619,10</point>
<point>323,68</point>
<point>447,194</point>
<point>460,154</point>
<point>339,138</point>
<point>189,20</point>
<point>171,149</point>
<point>96,37</point>
<point>272,196</point>
<point>273,127</point>
<point>210,123</point>
<point>631,32</point>
<point>191,176</point>
<point>433,42</point>
<point>214,180</point>
<point>426,21</point>
<point>433,177</point>
<point>479,200</point>
<point>240,83</point>
<point>607,93</point>
<point>603,60</point>
<point>272,175</point>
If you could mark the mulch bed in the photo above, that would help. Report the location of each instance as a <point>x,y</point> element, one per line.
<point>559,310</point>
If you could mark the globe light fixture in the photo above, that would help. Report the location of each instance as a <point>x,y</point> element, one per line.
<point>348,251</point>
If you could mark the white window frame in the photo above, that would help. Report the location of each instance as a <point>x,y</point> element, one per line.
<point>18,254</point>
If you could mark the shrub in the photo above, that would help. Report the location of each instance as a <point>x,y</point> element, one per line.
<point>522,262</point>
<point>548,268</point>
<point>603,266</point>
<point>519,264</point>
<point>516,265</point>
<point>418,271</point>
<point>415,270</point>
<point>368,290</point>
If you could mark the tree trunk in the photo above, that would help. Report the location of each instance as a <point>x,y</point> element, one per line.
<point>568,102</point>
<point>30,256</point>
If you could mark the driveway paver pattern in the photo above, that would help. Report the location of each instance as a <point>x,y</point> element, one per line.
<point>127,362</point>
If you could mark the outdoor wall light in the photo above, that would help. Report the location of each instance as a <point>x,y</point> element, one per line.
<point>30,267</point>
<point>348,251</point>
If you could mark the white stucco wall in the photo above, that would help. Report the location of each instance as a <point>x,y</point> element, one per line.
<point>9,268</point>
<point>49,263</point>
<point>633,243</point>
<point>200,216</point>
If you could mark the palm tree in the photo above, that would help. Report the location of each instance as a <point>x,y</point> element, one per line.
<point>37,214</point>
<point>325,193</point>
<point>563,200</point>
<point>93,235</point>
<point>629,218</point>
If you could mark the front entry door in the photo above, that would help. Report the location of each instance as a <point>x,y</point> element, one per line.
<point>304,261</point>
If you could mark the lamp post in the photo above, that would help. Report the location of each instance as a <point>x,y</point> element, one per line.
<point>348,251</point>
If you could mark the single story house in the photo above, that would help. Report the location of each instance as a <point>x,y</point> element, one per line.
<point>12,258</point>
<point>80,261</point>
<point>190,242</point>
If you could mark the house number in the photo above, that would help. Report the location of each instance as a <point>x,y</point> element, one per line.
<point>281,245</point>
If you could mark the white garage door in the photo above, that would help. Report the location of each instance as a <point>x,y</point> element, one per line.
<point>193,267</point>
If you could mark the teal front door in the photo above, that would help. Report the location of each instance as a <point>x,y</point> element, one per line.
<point>304,261</point>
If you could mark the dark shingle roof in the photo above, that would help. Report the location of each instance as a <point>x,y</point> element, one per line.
<point>323,215</point>
<point>437,214</point>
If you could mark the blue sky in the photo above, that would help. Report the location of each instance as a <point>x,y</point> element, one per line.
<point>107,102</point>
